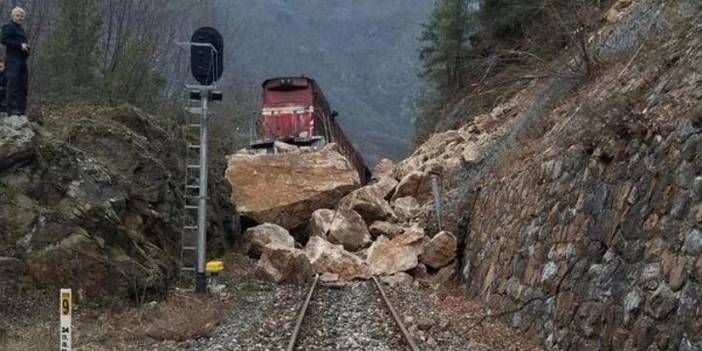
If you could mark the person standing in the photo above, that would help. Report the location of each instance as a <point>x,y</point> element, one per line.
<point>17,51</point>
<point>3,86</point>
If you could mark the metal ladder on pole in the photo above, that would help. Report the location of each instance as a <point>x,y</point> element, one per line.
<point>191,193</point>
<point>206,67</point>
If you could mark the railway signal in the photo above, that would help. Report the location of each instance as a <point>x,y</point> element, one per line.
<point>206,66</point>
<point>206,53</point>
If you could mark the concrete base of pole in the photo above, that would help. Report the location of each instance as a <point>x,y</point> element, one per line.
<point>200,283</point>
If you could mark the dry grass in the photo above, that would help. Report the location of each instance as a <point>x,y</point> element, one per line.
<point>155,325</point>
<point>39,337</point>
<point>181,317</point>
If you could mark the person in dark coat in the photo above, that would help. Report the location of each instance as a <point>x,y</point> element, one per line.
<point>17,51</point>
<point>3,86</point>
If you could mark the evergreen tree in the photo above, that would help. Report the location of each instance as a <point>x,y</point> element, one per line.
<point>72,48</point>
<point>444,39</point>
<point>442,53</point>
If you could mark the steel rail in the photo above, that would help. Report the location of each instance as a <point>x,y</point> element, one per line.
<point>301,317</point>
<point>303,312</point>
<point>399,323</point>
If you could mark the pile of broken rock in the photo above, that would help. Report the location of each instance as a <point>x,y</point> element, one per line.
<point>373,230</point>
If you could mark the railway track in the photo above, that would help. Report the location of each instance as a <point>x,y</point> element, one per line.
<point>327,310</point>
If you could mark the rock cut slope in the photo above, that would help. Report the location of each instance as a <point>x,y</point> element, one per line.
<point>579,203</point>
<point>91,200</point>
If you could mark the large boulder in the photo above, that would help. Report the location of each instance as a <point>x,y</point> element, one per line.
<point>370,203</point>
<point>406,208</point>
<point>384,186</point>
<point>284,264</point>
<point>287,188</point>
<point>329,258</point>
<point>386,229</point>
<point>416,184</point>
<point>343,226</point>
<point>256,238</point>
<point>396,255</point>
<point>439,251</point>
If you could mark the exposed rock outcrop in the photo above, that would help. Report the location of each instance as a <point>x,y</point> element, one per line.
<point>287,188</point>
<point>91,200</point>
<point>16,136</point>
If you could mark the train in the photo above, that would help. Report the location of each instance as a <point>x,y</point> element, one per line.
<point>296,112</point>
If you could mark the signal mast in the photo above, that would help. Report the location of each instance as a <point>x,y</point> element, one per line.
<point>206,65</point>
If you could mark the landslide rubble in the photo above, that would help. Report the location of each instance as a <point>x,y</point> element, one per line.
<point>577,205</point>
<point>348,241</point>
<point>314,212</point>
<point>287,187</point>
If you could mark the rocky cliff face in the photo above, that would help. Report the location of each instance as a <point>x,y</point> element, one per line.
<point>579,208</point>
<point>90,200</point>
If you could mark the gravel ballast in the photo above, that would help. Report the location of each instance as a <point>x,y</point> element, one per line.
<point>350,317</point>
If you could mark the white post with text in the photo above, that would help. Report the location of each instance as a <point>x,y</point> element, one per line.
<point>66,308</point>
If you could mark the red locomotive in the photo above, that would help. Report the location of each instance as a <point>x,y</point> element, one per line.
<point>296,112</point>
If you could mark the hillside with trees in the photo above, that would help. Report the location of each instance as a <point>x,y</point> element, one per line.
<point>363,54</point>
<point>476,54</point>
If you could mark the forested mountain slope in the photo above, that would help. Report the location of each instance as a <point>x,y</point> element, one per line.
<point>363,54</point>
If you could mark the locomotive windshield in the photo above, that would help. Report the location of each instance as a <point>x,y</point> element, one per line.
<point>284,91</point>
<point>284,84</point>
